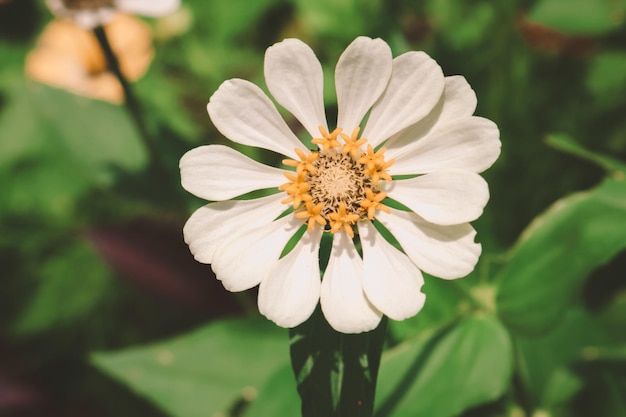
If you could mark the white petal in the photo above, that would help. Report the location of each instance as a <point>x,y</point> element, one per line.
<point>343,301</point>
<point>89,19</point>
<point>446,252</point>
<point>442,197</point>
<point>290,291</point>
<point>244,260</point>
<point>390,280</point>
<point>361,75</point>
<point>153,8</point>
<point>294,76</point>
<point>57,7</point>
<point>244,114</point>
<point>209,226</point>
<point>458,101</point>
<point>470,143</point>
<point>217,172</point>
<point>415,87</point>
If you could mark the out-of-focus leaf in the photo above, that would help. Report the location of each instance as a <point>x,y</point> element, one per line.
<point>338,19</point>
<point>277,397</point>
<point>462,25</point>
<point>162,105</point>
<point>55,145</point>
<point>226,19</point>
<point>202,373</point>
<point>607,77</point>
<point>442,375</point>
<point>153,255</point>
<point>545,362</point>
<point>613,318</point>
<point>557,252</point>
<point>442,306</point>
<point>72,284</point>
<point>579,16</point>
<point>565,143</point>
<point>561,387</point>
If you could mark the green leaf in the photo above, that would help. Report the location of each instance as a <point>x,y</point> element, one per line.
<point>557,252</point>
<point>204,372</point>
<point>581,17</point>
<point>277,397</point>
<point>59,145</point>
<point>606,78</point>
<point>462,24</point>
<point>443,374</point>
<point>566,144</point>
<point>228,18</point>
<point>72,285</point>
<point>341,20</point>
<point>545,361</point>
<point>442,307</point>
<point>336,373</point>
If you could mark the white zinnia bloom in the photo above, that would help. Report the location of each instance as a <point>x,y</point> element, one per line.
<point>92,13</point>
<point>423,119</point>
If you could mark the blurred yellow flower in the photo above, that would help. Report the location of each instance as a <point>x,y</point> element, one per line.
<point>69,57</point>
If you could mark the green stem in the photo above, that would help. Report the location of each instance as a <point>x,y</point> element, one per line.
<point>335,372</point>
<point>132,104</point>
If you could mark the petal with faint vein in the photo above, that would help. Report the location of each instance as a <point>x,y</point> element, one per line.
<point>244,260</point>
<point>361,75</point>
<point>244,114</point>
<point>210,225</point>
<point>442,197</point>
<point>471,144</point>
<point>391,281</point>
<point>343,301</point>
<point>217,172</point>
<point>446,252</point>
<point>458,101</point>
<point>290,291</point>
<point>294,76</point>
<point>415,87</point>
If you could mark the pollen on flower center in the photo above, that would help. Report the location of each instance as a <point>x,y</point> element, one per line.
<point>87,4</point>
<point>338,178</point>
<point>338,184</point>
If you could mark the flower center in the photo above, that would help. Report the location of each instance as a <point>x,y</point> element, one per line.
<point>337,179</point>
<point>338,184</point>
<point>87,4</point>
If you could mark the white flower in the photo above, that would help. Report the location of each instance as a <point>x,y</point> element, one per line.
<point>92,13</point>
<point>426,125</point>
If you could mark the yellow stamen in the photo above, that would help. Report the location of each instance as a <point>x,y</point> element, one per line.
<point>328,140</point>
<point>297,188</point>
<point>372,202</point>
<point>375,164</point>
<point>352,144</point>
<point>342,220</point>
<point>313,213</point>
<point>305,163</point>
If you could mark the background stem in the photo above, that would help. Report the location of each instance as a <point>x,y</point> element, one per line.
<point>132,105</point>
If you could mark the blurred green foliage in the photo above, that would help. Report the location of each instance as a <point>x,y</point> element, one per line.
<point>539,326</point>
